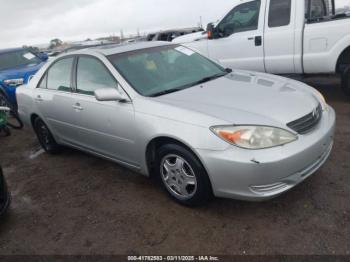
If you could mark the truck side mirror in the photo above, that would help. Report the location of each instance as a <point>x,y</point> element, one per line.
<point>210,30</point>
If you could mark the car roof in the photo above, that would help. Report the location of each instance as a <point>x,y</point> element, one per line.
<point>121,48</point>
<point>8,50</point>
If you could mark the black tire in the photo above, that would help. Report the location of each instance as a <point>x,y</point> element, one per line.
<point>346,81</point>
<point>202,192</point>
<point>45,137</point>
<point>7,131</point>
<point>14,121</point>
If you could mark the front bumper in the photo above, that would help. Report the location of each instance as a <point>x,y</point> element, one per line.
<point>257,175</point>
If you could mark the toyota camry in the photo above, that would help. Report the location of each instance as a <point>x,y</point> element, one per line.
<point>168,112</point>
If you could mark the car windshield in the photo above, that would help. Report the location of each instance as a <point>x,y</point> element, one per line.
<point>18,58</point>
<point>161,70</point>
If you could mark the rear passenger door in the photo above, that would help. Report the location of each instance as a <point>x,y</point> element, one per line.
<point>280,36</point>
<point>53,97</point>
<point>107,128</point>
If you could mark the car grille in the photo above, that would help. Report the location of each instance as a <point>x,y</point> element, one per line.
<point>307,123</point>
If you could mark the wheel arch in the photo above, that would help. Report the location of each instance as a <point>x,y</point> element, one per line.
<point>154,144</point>
<point>343,60</point>
<point>33,117</point>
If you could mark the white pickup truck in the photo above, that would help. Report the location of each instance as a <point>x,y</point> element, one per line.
<point>281,37</point>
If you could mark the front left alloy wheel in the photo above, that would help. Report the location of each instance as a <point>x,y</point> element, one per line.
<point>183,176</point>
<point>178,176</point>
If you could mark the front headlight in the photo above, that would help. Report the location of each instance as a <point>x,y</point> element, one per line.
<point>322,100</point>
<point>14,82</point>
<point>254,137</point>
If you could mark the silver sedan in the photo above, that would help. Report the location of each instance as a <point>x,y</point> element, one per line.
<point>168,112</point>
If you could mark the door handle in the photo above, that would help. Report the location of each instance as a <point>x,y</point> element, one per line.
<point>77,106</point>
<point>39,98</point>
<point>258,41</point>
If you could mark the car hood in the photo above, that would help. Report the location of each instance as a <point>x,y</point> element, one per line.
<point>20,72</point>
<point>190,37</point>
<point>247,98</point>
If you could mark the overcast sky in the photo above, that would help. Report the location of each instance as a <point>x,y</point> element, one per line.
<point>39,21</point>
<point>27,22</point>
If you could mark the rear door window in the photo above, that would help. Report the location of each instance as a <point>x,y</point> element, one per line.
<point>59,75</point>
<point>316,9</point>
<point>280,12</point>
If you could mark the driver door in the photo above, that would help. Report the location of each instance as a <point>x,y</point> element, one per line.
<point>238,41</point>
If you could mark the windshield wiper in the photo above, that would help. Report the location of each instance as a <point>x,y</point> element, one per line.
<point>203,80</point>
<point>208,78</point>
<point>166,92</point>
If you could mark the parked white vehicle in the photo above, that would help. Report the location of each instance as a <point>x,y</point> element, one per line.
<point>280,37</point>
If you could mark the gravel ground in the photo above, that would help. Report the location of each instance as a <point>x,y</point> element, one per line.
<point>75,203</point>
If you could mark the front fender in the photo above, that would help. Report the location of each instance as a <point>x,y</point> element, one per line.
<point>193,136</point>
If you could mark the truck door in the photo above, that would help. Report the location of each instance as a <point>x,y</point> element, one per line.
<point>238,41</point>
<point>281,34</point>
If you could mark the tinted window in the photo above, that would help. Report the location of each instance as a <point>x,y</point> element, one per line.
<point>92,75</point>
<point>244,17</point>
<point>18,58</point>
<point>164,37</point>
<point>59,75</point>
<point>317,10</point>
<point>280,11</point>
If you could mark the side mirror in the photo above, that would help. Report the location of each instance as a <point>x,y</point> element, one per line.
<point>110,94</point>
<point>210,30</point>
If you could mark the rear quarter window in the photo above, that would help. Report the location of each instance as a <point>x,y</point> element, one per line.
<point>43,82</point>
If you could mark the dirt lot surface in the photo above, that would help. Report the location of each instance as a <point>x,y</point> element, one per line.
<point>75,203</point>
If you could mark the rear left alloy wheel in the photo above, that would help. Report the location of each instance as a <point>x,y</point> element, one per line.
<point>183,176</point>
<point>45,137</point>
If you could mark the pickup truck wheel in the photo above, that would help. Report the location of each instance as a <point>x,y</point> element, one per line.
<point>346,81</point>
<point>182,175</point>
<point>45,137</point>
